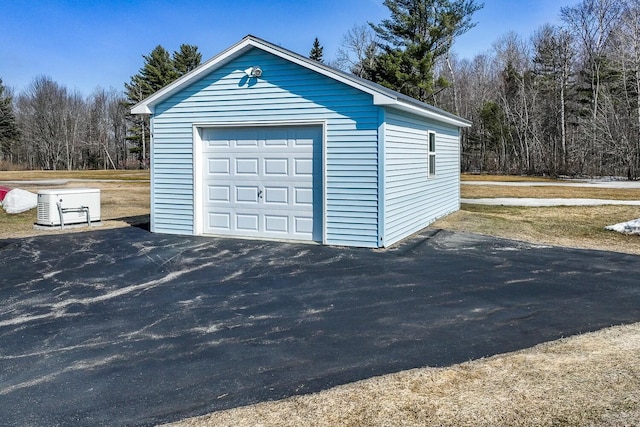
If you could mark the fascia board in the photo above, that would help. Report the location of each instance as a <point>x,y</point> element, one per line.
<point>426,113</point>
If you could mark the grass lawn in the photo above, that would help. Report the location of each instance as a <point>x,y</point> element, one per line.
<point>587,380</point>
<point>549,192</point>
<point>129,175</point>
<point>571,226</point>
<point>505,178</point>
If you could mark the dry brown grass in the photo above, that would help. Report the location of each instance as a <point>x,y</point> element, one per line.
<point>8,166</point>
<point>571,226</point>
<point>551,192</point>
<point>587,380</point>
<point>141,175</point>
<point>506,178</point>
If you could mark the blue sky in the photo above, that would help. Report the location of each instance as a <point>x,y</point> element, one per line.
<point>85,44</point>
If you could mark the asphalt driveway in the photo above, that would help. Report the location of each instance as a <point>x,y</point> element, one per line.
<point>124,327</point>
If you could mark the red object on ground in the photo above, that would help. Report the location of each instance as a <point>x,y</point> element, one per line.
<point>3,192</point>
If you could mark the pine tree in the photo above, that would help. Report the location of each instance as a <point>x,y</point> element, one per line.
<point>8,128</point>
<point>418,33</point>
<point>186,59</point>
<point>316,51</point>
<point>159,70</point>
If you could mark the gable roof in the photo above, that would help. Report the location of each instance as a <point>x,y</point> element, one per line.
<point>381,95</point>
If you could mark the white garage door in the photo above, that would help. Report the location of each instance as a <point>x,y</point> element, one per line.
<point>263,182</point>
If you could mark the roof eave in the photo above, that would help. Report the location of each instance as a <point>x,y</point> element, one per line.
<point>322,69</point>
<point>147,105</point>
<point>141,108</point>
<point>381,96</point>
<point>422,112</point>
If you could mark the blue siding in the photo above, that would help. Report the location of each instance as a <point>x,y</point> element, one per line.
<point>412,200</point>
<point>285,92</point>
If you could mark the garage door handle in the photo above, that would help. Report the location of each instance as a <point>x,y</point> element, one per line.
<point>260,194</point>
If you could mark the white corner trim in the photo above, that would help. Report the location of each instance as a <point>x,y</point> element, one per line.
<point>198,211</point>
<point>382,175</point>
<point>324,183</point>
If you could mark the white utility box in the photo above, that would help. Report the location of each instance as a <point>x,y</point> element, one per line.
<point>68,206</point>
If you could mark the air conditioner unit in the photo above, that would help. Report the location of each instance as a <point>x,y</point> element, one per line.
<point>68,206</point>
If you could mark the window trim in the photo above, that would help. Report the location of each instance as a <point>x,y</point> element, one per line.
<point>431,154</point>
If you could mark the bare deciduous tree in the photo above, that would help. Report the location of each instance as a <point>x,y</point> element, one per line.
<point>41,118</point>
<point>62,130</point>
<point>626,57</point>
<point>358,50</point>
<point>592,23</point>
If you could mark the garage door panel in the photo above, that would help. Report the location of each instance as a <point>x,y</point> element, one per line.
<point>303,225</point>
<point>277,195</point>
<point>276,223</point>
<point>247,166</point>
<point>216,144</point>
<point>247,222</point>
<point>247,194</point>
<point>219,221</point>
<point>218,166</point>
<point>303,196</point>
<point>303,167</point>
<point>303,142</point>
<point>219,193</point>
<point>246,143</point>
<point>276,167</point>
<point>263,182</point>
<point>305,137</point>
<point>240,137</point>
<point>276,142</point>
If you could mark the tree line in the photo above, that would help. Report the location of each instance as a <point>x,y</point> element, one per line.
<point>55,128</point>
<point>47,126</point>
<point>565,101</point>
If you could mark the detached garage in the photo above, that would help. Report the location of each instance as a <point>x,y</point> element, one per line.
<point>260,142</point>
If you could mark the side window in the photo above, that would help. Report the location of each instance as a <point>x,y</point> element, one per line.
<point>432,154</point>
